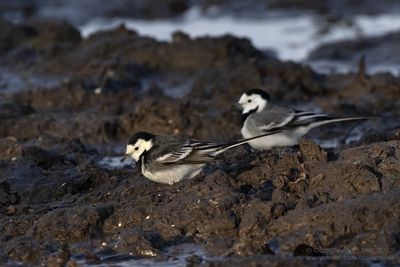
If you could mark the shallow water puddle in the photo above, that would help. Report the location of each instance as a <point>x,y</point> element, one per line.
<point>12,82</point>
<point>177,255</point>
<point>113,163</point>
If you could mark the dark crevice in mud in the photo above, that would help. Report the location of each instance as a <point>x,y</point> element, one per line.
<point>377,174</point>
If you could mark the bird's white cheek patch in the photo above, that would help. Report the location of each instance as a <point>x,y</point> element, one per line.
<point>136,150</point>
<point>130,149</point>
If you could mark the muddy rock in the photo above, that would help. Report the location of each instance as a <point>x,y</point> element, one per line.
<point>312,152</point>
<point>24,249</point>
<point>70,224</point>
<point>276,204</point>
<point>12,35</point>
<point>352,212</point>
<point>47,39</point>
<point>6,197</point>
<point>133,241</point>
<point>252,228</point>
<point>128,46</point>
<point>12,110</point>
<point>40,157</point>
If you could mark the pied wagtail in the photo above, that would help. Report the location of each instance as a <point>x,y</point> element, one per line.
<point>260,116</point>
<point>170,159</point>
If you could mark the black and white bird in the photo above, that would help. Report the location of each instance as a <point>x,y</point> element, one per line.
<point>170,159</point>
<point>260,116</point>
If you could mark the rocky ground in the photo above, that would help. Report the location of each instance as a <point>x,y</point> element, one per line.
<point>59,205</point>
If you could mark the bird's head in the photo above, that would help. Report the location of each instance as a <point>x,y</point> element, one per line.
<point>254,100</point>
<point>139,143</point>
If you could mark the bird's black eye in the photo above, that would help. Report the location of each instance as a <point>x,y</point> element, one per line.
<point>136,148</point>
<point>249,101</point>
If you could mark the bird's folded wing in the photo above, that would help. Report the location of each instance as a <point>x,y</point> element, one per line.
<point>177,154</point>
<point>303,118</point>
<point>294,119</point>
<point>276,119</point>
<point>189,151</point>
<point>203,152</point>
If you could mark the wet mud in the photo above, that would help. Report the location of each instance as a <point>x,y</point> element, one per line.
<point>304,207</point>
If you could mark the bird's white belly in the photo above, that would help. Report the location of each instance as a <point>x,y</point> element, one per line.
<point>285,138</point>
<point>169,174</point>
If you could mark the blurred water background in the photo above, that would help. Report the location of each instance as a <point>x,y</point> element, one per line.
<point>330,36</point>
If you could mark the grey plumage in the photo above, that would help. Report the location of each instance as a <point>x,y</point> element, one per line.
<point>259,115</point>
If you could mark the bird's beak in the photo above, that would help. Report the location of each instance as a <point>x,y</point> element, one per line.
<point>125,157</point>
<point>237,106</point>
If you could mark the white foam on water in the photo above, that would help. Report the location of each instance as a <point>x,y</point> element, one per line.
<point>289,36</point>
<point>340,67</point>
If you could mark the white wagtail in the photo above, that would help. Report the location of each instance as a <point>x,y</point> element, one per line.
<point>259,116</point>
<point>169,159</point>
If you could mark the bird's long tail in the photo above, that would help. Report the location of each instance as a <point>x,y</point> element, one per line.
<point>244,141</point>
<point>323,120</point>
<point>328,120</point>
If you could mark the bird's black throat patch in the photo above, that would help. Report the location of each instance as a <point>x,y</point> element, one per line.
<point>245,115</point>
<point>142,158</point>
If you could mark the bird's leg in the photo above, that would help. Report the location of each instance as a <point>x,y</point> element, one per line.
<point>343,140</point>
<point>281,152</point>
<point>299,152</point>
